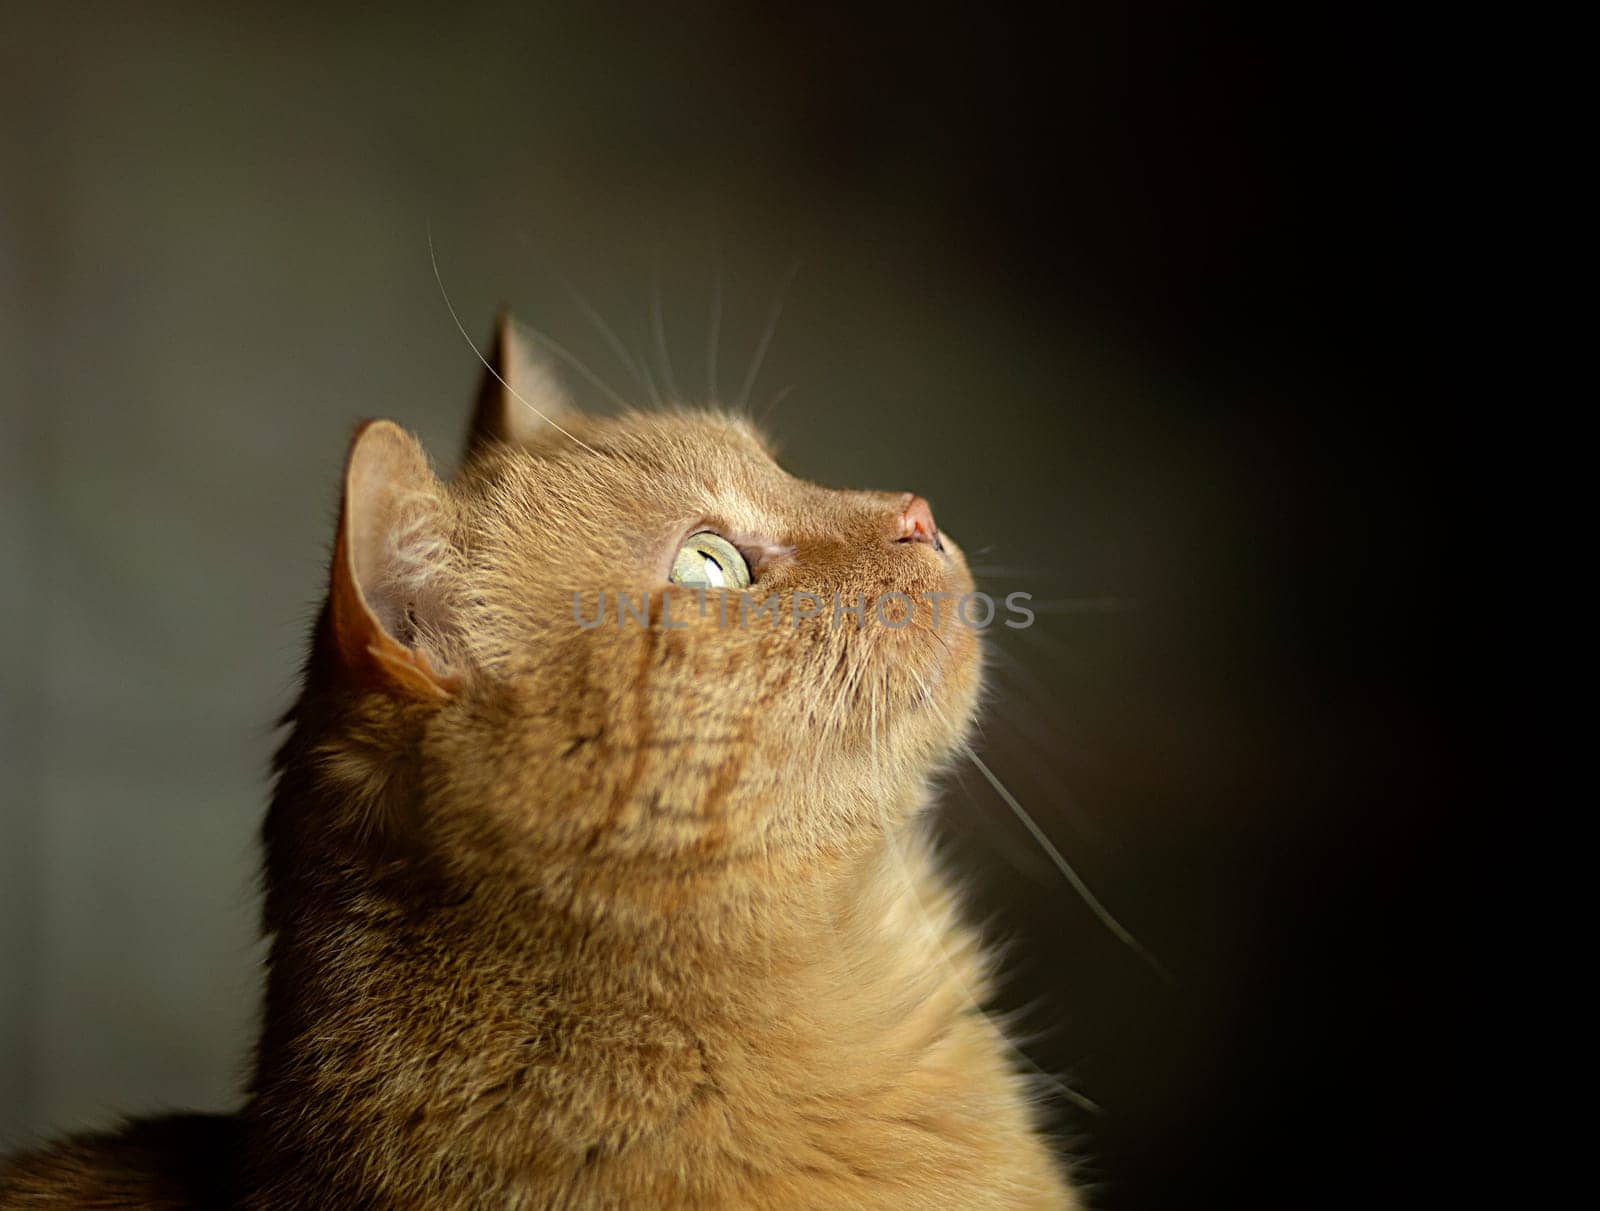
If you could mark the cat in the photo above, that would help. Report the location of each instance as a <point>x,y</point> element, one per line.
<point>636,914</point>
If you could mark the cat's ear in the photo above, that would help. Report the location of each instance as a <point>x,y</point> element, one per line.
<point>520,394</point>
<point>386,602</point>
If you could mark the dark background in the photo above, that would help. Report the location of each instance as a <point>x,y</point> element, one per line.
<point>1135,293</point>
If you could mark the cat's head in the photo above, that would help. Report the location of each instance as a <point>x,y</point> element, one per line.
<point>628,653</point>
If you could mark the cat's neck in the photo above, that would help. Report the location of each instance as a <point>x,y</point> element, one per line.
<point>506,1029</point>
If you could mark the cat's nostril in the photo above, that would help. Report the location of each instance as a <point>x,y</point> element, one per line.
<point>916,523</point>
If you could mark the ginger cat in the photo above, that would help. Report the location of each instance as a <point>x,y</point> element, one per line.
<point>629,915</point>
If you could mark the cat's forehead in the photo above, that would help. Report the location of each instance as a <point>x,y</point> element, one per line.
<point>682,440</point>
<point>717,464</point>
<point>642,468</point>
<point>702,453</point>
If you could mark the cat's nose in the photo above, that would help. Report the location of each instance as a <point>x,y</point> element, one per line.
<point>916,523</point>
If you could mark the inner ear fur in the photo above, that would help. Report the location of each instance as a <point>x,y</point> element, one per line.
<point>520,393</point>
<point>384,596</point>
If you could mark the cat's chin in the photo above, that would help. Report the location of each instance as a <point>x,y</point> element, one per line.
<point>941,674</point>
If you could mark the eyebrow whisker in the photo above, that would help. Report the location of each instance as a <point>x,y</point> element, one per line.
<point>766,338</point>
<point>572,359</point>
<point>716,333</point>
<point>776,400</point>
<point>659,328</point>
<point>471,344</point>
<point>640,372</point>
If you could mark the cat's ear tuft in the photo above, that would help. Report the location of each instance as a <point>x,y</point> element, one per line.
<point>388,599</point>
<point>520,394</point>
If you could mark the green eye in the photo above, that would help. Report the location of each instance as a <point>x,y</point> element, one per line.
<point>710,561</point>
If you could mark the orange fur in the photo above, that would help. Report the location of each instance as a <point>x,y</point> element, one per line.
<point>627,916</point>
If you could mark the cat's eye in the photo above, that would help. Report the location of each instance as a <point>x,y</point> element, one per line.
<point>709,561</point>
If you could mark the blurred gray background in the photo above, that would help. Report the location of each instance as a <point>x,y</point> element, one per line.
<point>1074,281</point>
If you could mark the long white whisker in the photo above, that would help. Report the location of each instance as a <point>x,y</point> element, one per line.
<point>1024,859</point>
<point>1065,867</point>
<point>471,344</point>
<point>1089,898</point>
<point>1078,1099</point>
<point>1022,721</point>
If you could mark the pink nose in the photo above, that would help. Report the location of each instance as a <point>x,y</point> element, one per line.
<point>916,523</point>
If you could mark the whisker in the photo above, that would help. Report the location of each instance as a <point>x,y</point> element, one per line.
<point>659,328</point>
<point>775,401</point>
<point>1045,640</point>
<point>1089,898</point>
<point>1080,1100</point>
<point>1023,860</point>
<point>1035,711</point>
<point>716,334</point>
<point>572,359</point>
<point>1041,697</point>
<point>1065,867</point>
<point>923,628</point>
<point>1085,605</point>
<point>471,344</point>
<point>641,374</point>
<point>1037,571</point>
<point>766,338</point>
<point>565,354</point>
<point>1041,741</point>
